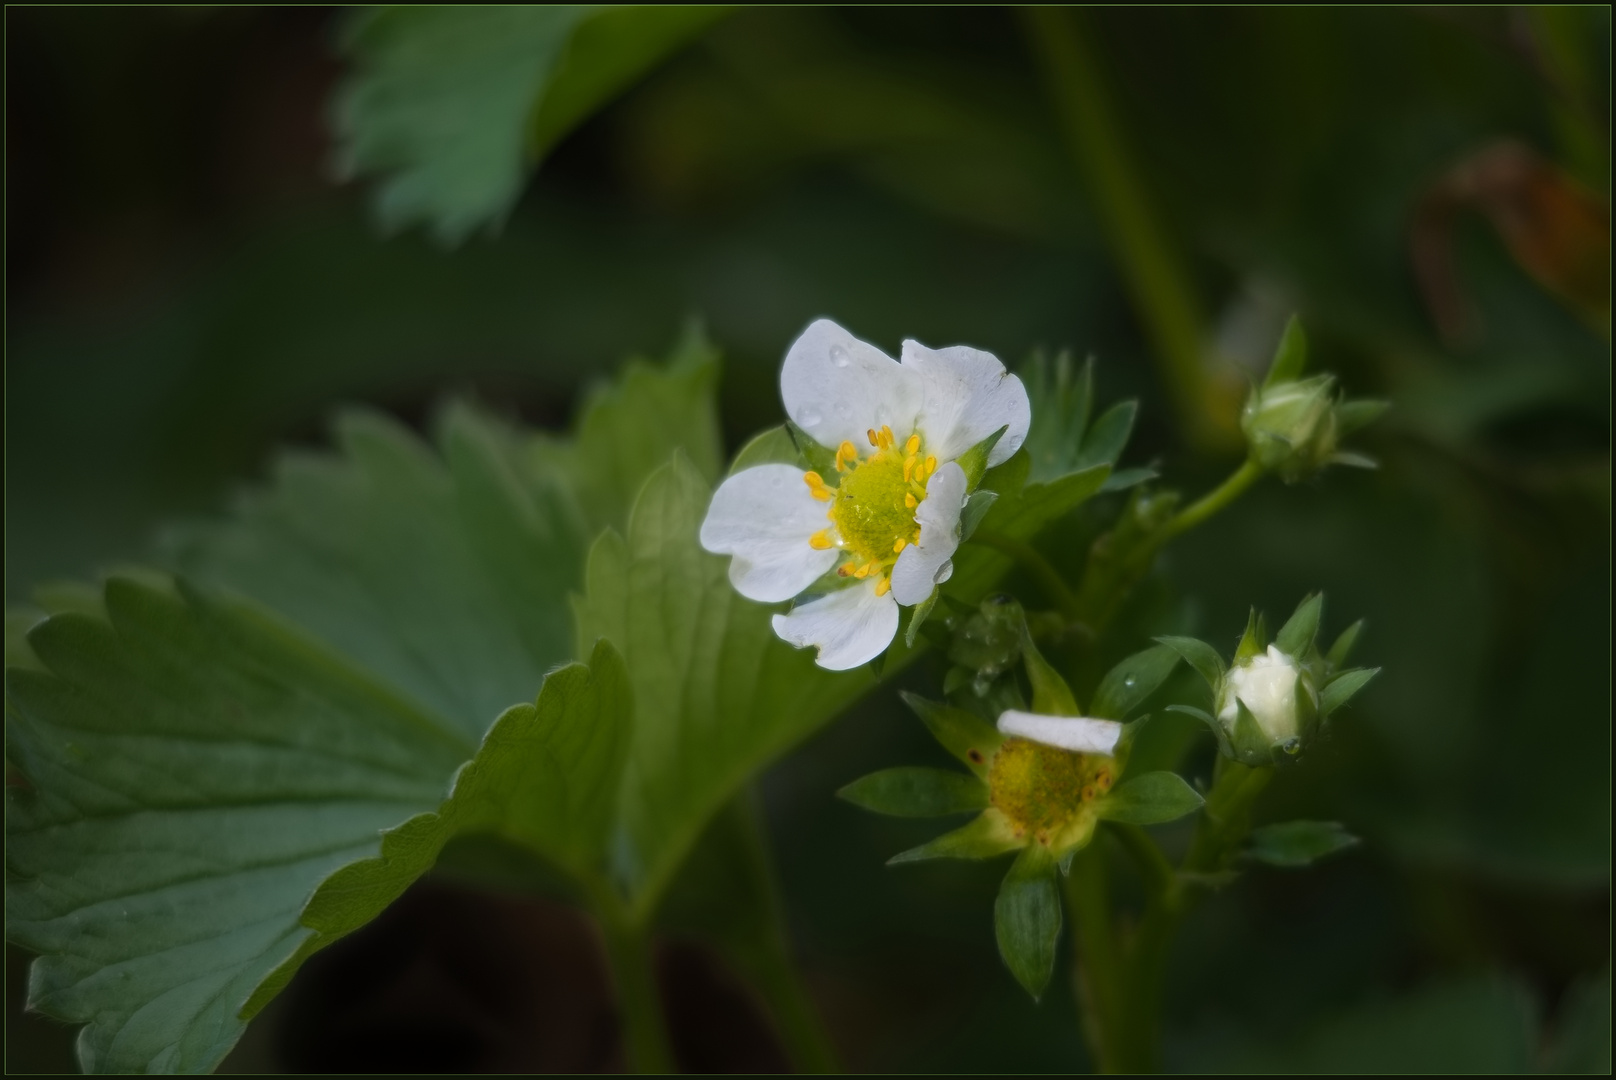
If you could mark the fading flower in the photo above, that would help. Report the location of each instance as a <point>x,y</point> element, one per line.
<point>880,529</point>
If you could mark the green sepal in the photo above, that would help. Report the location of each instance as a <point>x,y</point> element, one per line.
<point>1359,413</point>
<point>1050,694</point>
<point>1290,358</point>
<point>1337,656</point>
<point>1149,799</point>
<point>1255,640</point>
<point>1027,918</point>
<point>1340,689</point>
<point>986,835</point>
<point>1250,742</point>
<point>965,735</point>
<point>918,616</point>
<point>819,458</point>
<point>1199,655</point>
<point>1211,722</point>
<point>976,508</point>
<point>774,446</point>
<point>1008,477</point>
<point>1125,741</point>
<point>1297,843</point>
<point>1127,685</point>
<point>1295,638</point>
<point>1352,459</point>
<point>975,460</point>
<point>915,791</point>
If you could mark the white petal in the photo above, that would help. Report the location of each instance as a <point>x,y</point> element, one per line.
<point>968,396</point>
<point>836,388</point>
<point>764,516</point>
<point>924,565</point>
<point>1080,733</point>
<point>850,626</point>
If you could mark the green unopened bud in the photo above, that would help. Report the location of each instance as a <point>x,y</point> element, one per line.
<point>1291,427</point>
<point>1276,692</point>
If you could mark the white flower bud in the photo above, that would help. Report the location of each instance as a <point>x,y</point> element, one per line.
<point>1268,684</point>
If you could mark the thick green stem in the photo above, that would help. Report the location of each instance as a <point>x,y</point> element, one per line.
<point>628,948</point>
<point>1219,497</point>
<point>1034,563</point>
<point>1098,970</point>
<point>1160,286</point>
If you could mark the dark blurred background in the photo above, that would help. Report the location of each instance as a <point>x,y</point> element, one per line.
<point>188,288</point>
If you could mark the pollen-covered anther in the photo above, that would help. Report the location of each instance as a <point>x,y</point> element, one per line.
<point>863,572</point>
<point>931,464</point>
<point>846,456</point>
<point>899,544</point>
<point>817,488</point>
<point>822,540</point>
<point>912,447</point>
<point>909,469</point>
<point>910,501</point>
<point>883,586</point>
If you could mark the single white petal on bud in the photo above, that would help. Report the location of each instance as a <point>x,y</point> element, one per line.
<point>1267,683</point>
<point>1084,734</point>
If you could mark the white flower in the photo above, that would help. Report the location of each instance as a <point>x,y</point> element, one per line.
<point>1084,734</point>
<point>1267,683</point>
<point>887,520</point>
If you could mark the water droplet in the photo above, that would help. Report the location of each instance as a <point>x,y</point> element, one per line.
<point>1129,681</point>
<point>844,408</point>
<point>838,356</point>
<point>810,418</point>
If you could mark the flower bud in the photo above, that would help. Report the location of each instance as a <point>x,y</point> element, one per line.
<point>1276,692</point>
<point>1291,426</point>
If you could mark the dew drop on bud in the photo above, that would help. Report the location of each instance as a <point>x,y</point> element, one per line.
<point>1292,746</point>
<point>838,356</point>
<point>811,418</point>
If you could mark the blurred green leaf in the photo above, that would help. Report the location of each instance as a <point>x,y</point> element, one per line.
<point>452,107</point>
<point>1298,843</point>
<point>1127,685</point>
<point>1199,655</point>
<point>1344,644</point>
<point>1149,799</point>
<point>1290,358</point>
<point>1027,918</point>
<point>914,791</point>
<point>1341,689</point>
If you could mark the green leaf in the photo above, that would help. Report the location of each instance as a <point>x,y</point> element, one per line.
<point>1342,649</point>
<point>772,447</point>
<point>965,735</point>
<point>1127,685</point>
<point>1297,843</point>
<point>987,835</point>
<point>1341,689</point>
<point>1109,435</point>
<point>1123,479</point>
<point>716,693</point>
<point>1149,799</point>
<point>452,107</point>
<point>1295,638</point>
<point>1061,399</point>
<point>197,770</point>
<point>976,508</point>
<point>1290,358</point>
<point>1359,413</point>
<point>631,426</point>
<point>912,791</point>
<point>1027,918</point>
<point>1200,656</point>
<point>975,460</point>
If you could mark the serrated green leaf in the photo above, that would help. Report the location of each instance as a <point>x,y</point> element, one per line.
<point>1027,918</point>
<point>1127,685</point>
<point>716,693</point>
<point>1295,638</point>
<point>1199,655</point>
<point>1341,689</point>
<point>914,791</point>
<point>452,107</point>
<point>965,735</point>
<point>195,771</point>
<point>1297,843</point>
<point>985,836</point>
<point>1149,799</point>
<point>1290,358</point>
<point>1109,436</point>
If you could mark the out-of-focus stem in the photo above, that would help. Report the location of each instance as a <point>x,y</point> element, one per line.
<point>1219,497</point>
<point>628,948</point>
<point>1040,567</point>
<point>1157,280</point>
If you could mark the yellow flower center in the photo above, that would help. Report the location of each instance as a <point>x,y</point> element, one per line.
<point>872,508</point>
<point>1045,791</point>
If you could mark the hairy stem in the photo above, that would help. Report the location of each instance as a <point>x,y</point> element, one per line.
<point>1218,498</point>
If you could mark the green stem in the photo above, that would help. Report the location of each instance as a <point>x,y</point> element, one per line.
<point>1098,970</point>
<point>1160,285</point>
<point>628,948</point>
<point>1219,497</point>
<point>1036,564</point>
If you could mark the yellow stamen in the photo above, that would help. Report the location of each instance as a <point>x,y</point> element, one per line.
<point>821,540</point>
<point>875,440</point>
<point>899,544</point>
<point>887,438</point>
<point>883,586</point>
<point>817,488</point>
<point>913,445</point>
<point>846,452</point>
<point>844,570</point>
<point>931,464</point>
<point>908,469</point>
<point>863,572</point>
<point>910,501</point>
